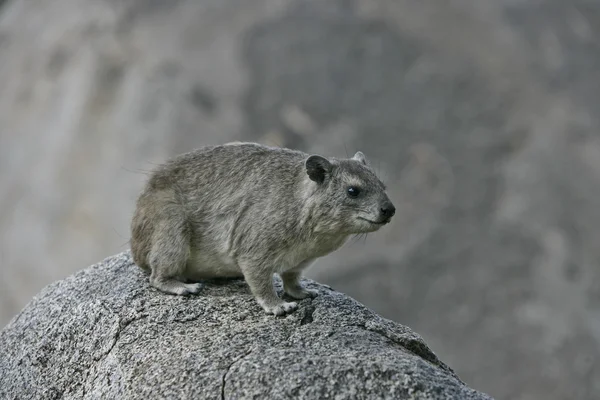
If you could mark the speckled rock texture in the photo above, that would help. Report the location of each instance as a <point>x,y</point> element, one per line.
<point>104,333</point>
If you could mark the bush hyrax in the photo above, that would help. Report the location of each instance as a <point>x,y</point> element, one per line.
<point>247,210</point>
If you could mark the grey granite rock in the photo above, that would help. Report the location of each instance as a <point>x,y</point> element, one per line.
<point>104,333</point>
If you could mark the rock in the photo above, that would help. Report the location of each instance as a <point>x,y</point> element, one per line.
<point>105,333</point>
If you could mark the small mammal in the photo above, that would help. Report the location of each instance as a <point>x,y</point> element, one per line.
<point>248,210</point>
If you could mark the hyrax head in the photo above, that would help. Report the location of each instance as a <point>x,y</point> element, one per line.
<point>353,197</point>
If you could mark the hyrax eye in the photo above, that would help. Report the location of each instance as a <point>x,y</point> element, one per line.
<point>353,191</point>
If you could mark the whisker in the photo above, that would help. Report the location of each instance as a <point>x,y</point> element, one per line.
<point>139,171</point>
<point>357,237</point>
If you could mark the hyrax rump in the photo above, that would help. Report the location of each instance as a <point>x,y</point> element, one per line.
<point>248,210</point>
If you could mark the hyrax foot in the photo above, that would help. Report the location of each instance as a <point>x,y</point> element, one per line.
<point>293,287</point>
<point>300,293</point>
<point>173,286</point>
<point>280,308</point>
<point>192,288</point>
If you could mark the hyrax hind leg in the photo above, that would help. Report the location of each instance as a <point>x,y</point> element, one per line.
<point>169,255</point>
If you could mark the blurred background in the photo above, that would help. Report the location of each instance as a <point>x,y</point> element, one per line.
<point>482,117</point>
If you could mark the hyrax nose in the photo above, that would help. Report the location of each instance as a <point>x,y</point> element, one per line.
<point>388,210</point>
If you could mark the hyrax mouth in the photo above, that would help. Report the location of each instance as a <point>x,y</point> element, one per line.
<point>385,221</point>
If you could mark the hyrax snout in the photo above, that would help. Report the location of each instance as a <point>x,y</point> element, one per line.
<point>248,210</point>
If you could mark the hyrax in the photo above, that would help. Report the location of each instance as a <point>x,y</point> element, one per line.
<point>247,210</point>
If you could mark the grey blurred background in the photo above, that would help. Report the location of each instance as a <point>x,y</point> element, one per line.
<point>482,116</point>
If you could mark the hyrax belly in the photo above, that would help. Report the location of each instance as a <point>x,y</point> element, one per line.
<point>210,252</point>
<point>207,262</point>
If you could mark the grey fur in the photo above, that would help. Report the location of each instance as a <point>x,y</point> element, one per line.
<point>248,210</point>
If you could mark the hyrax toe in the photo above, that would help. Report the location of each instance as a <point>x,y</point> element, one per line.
<point>282,309</point>
<point>193,288</point>
<point>289,307</point>
<point>176,287</point>
<point>303,293</point>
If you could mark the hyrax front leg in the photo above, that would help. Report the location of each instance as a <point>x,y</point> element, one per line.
<point>293,287</point>
<point>168,259</point>
<point>260,280</point>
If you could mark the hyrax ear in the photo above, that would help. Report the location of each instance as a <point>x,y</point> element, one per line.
<point>359,156</point>
<point>317,168</point>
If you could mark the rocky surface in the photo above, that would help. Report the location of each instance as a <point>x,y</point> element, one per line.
<point>105,333</point>
<point>481,115</point>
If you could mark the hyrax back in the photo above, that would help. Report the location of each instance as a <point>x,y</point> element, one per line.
<point>247,210</point>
